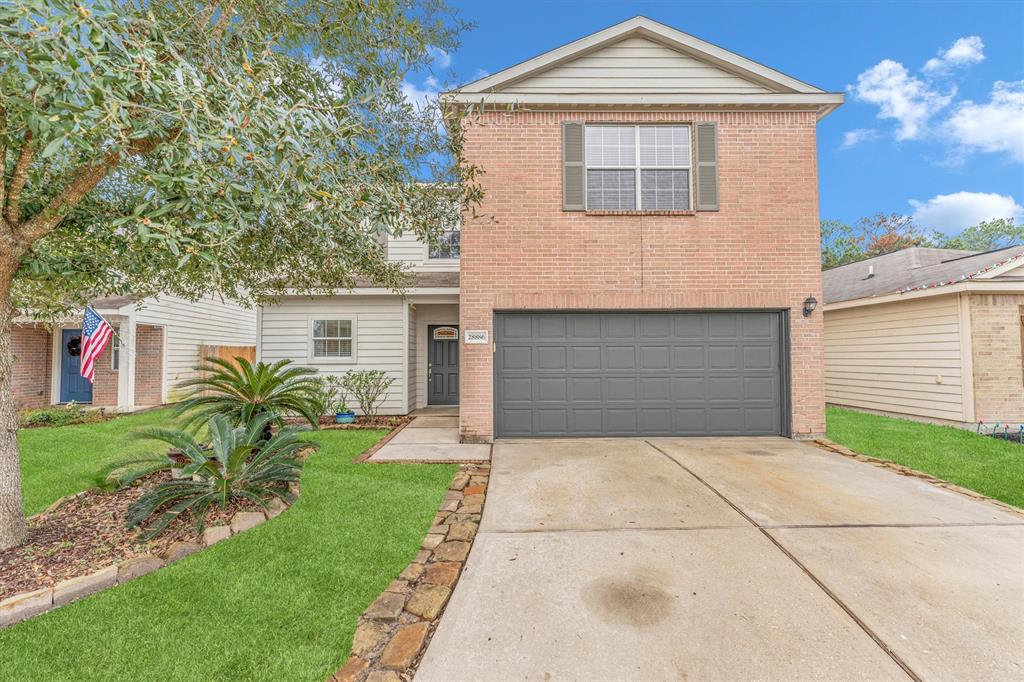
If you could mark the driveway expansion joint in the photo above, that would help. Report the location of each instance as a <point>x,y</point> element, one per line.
<point>817,581</point>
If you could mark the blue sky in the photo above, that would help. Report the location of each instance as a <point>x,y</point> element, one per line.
<point>933,124</point>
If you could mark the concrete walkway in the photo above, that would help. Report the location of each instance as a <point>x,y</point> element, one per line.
<point>432,436</point>
<point>728,559</point>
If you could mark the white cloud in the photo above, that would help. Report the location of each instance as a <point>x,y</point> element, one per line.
<point>951,213</point>
<point>441,59</point>
<point>964,51</point>
<point>421,96</point>
<point>900,96</point>
<point>997,126</point>
<point>852,138</point>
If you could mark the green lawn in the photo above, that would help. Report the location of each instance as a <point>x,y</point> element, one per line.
<point>986,465</point>
<point>278,602</point>
<point>58,461</point>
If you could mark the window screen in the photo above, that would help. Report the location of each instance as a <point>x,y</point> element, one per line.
<point>332,338</point>
<point>630,163</point>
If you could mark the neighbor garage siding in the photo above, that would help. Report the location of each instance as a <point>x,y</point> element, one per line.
<point>901,357</point>
<point>380,337</point>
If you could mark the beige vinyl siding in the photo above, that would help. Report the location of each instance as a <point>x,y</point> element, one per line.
<point>635,65</point>
<point>207,322</point>
<point>379,344</point>
<point>408,249</point>
<point>902,357</point>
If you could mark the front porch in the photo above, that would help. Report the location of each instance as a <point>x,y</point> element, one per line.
<point>129,372</point>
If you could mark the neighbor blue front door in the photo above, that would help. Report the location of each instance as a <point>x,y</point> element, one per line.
<point>73,386</point>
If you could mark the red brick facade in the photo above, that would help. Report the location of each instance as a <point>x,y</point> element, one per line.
<point>149,365</point>
<point>761,250</point>
<point>33,350</point>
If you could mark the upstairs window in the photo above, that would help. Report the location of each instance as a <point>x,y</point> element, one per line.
<point>447,247</point>
<point>333,339</point>
<point>625,163</point>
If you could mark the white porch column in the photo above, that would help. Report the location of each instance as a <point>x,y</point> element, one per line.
<point>126,365</point>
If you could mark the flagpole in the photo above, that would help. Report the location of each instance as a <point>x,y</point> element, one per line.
<point>121,342</point>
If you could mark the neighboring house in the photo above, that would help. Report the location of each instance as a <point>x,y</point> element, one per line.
<point>649,236</point>
<point>930,333</point>
<point>163,337</point>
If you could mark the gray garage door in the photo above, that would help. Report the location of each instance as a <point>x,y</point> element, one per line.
<point>638,374</point>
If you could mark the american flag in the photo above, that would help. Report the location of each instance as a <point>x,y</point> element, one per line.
<point>96,332</point>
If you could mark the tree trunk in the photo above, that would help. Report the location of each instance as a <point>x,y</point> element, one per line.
<point>13,529</point>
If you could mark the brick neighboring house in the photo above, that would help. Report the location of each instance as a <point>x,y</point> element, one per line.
<point>648,240</point>
<point>163,337</point>
<point>934,334</point>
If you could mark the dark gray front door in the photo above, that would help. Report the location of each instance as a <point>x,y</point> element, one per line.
<point>638,374</point>
<point>442,365</point>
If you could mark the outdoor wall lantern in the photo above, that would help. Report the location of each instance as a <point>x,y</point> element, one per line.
<point>810,303</point>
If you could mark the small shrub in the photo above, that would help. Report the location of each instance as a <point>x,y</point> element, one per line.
<point>238,464</point>
<point>368,387</point>
<point>60,415</point>
<point>332,396</point>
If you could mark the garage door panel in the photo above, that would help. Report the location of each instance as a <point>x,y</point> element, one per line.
<point>551,389</point>
<point>585,389</point>
<point>620,421</point>
<point>619,326</point>
<point>620,357</point>
<point>655,357</point>
<point>620,389</point>
<point>655,388</point>
<point>516,357</point>
<point>516,389</point>
<point>759,357</point>
<point>638,374</point>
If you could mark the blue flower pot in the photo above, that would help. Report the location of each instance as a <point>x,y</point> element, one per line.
<point>344,417</point>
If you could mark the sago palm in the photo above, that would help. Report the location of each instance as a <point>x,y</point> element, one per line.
<point>238,464</point>
<point>242,391</point>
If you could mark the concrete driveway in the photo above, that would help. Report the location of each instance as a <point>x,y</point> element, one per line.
<point>728,559</point>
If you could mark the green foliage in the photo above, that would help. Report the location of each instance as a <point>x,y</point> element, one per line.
<point>239,464</point>
<point>60,415</point>
<point>368,387</point>
<point>242,392</point>
<point>881,234</point>
<point>988,235</point>
<point>331,394</point>
<point>244,148</point>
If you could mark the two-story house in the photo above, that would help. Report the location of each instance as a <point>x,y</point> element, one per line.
<point>646,262</point>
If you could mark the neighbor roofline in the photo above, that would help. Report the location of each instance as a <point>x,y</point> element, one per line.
<point>653,30</point>
<point>967,286</point>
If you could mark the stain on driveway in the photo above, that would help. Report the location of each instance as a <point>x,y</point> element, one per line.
<point>728,559</point>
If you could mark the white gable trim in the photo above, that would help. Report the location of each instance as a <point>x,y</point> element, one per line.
<point>652,30</point>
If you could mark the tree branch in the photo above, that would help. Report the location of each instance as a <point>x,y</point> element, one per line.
<point>12,211</point>
<point>83,182</point>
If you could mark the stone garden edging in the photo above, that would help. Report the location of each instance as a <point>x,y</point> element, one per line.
<point>394,631</point>
<point>25,605</point>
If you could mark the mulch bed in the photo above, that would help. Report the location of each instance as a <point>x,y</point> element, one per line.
<point>379,422</point>
<point>88,533</point>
